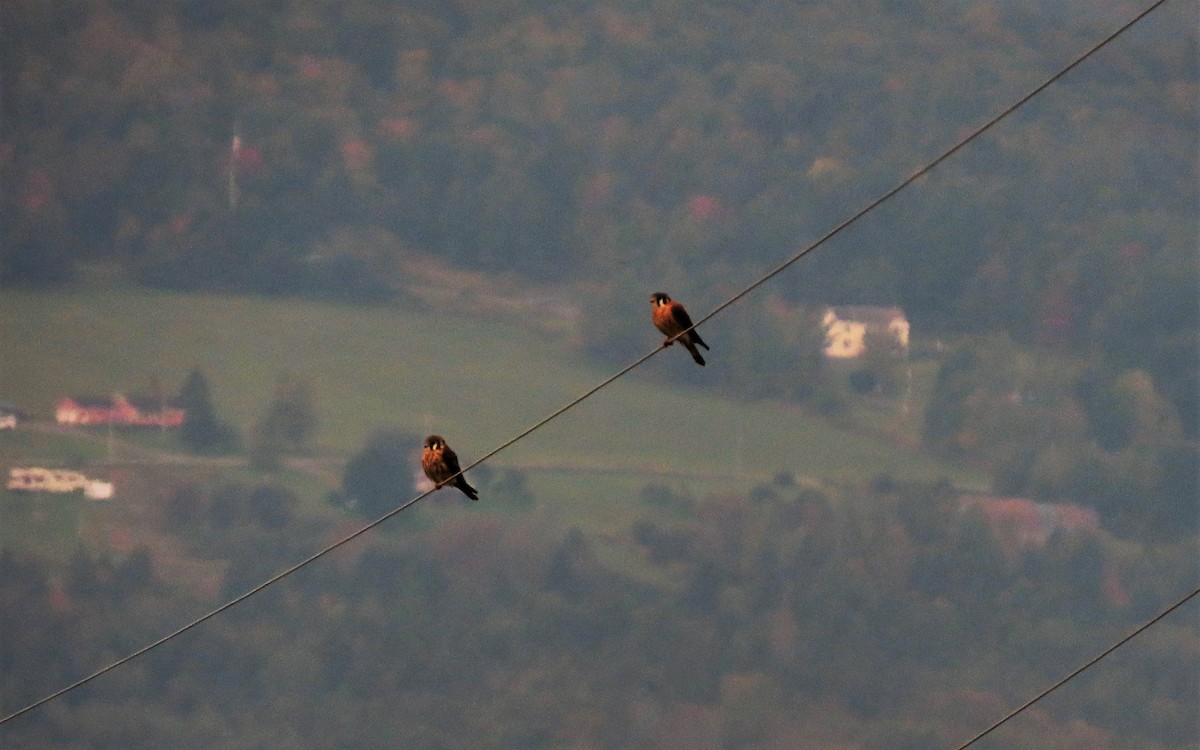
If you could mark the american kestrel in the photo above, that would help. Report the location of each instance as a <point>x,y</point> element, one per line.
<point>440,463</point>
<point>670,318</point>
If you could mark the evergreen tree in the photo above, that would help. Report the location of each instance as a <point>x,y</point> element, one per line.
<point>202,431</point>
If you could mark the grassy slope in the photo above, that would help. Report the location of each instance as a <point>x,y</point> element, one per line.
<point>475,382</point>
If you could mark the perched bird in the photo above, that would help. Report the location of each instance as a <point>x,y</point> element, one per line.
<point>440,463</point>
<point>670,318</point>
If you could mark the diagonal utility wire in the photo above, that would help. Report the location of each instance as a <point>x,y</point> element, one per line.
<point>839,228</point>
<point>607,381</point>
<point>1136,632</point>
<point>938,160</point>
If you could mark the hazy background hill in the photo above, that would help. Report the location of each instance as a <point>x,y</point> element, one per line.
<point>341,226</point>
<point>625,146</point>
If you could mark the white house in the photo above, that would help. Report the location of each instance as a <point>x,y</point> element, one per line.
<point>846,328</point>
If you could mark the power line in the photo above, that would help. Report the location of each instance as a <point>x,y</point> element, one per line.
<point>607,381</point>
<point>938,160</point>
<point>211,614</point>
<point>846,223</point>
<point>1080,670</point>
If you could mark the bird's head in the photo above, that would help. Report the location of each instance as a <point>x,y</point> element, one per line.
<point>658,299</point>
<point>435,443</point>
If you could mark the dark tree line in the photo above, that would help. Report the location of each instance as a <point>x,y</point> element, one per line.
<point>1069,430</point>
<point>751,616</point>
<point>629,147</point>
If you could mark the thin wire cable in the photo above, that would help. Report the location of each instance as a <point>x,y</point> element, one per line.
<point>1081,669</point>
<point>209,615</point>
<point>847,222</point>
<point>933,164</point>
<point>603,384</point>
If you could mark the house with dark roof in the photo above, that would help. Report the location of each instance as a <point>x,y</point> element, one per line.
<point>846,328</point>
<point>10,416</point>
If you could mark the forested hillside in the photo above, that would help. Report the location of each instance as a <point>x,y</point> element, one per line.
<point>302,147</point>
<point>160,157</point>
<point>875,618</point>
<point>618,148</point>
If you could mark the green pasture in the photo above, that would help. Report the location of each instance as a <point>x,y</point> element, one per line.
<point>34,447</point>
<point>476,382</point>
<point>42,522</point>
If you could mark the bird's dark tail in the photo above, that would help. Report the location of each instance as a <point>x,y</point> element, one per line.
<point>695,352</point>
<point>698,340</point>
<point>468,490</point>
